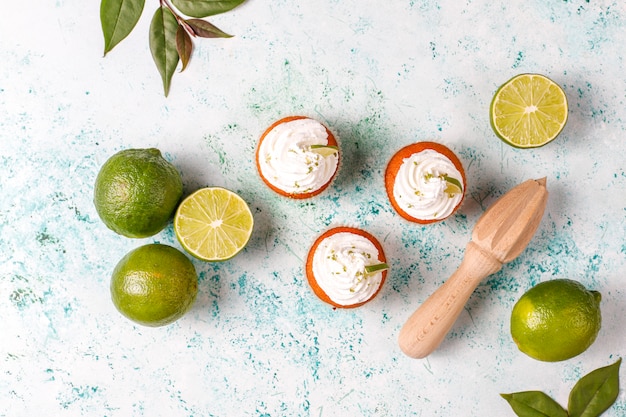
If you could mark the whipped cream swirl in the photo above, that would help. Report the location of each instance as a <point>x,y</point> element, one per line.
<point>420,186</point>
<point>339,265</point>
<point>287,162</point>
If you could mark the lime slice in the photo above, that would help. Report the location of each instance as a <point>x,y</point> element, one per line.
<point>324,150</point>
<point>528,111</point>
<point>454,186</point>
<point>371,269</point>
<point>213,224</point>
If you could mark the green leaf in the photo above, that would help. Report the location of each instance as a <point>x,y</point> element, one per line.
<point>205,29</point>
<point>595,392</point>
<point>534,404</point>
<point>163,30</point>
<point>204,8</point>
<point>118,19</point>
<point>184,46</point>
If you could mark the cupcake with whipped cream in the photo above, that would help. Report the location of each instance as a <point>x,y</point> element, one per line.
<point>297,157</point>
<point>346,267</point>
<point>425,182</point>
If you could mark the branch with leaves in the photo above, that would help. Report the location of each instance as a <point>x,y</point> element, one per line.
<point>173,27</point>
<point>592,395</point>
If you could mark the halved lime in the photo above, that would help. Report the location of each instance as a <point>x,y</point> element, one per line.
<point>528,111</point>
<point>324,150</point>
<point>213,224</point>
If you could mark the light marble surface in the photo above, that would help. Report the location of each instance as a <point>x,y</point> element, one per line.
<point>257,342</point>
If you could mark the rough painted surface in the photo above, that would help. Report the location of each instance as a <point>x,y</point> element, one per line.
<point>257,342</point>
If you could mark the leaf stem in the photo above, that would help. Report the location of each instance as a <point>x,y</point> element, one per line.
<point>179,19</point>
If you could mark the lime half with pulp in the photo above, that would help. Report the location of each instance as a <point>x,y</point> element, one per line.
<point>528,111</point>
<point>213,224</point>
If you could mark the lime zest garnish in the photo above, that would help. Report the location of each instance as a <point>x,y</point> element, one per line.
<point>371,269</point>
<point>324,150</point>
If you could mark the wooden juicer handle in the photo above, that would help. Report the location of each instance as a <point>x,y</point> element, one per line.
<point>500,235</point>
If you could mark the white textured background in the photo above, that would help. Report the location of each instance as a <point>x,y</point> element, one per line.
<point>257,342</point>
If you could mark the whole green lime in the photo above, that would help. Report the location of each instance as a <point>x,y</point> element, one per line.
<point>154,285</point>
<point>556,320</point>
<point>136,192</point>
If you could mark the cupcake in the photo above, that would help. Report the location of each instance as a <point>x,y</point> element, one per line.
<point>297,157</point>
<point>425,182</point>
<point>346,267</point>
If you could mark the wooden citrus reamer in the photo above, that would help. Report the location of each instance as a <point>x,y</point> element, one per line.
<point>500,235</point>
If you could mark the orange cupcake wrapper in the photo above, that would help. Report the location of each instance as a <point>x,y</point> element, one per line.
<point>319,292</point>
<point>396,162</point>
<point>332,141</point>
